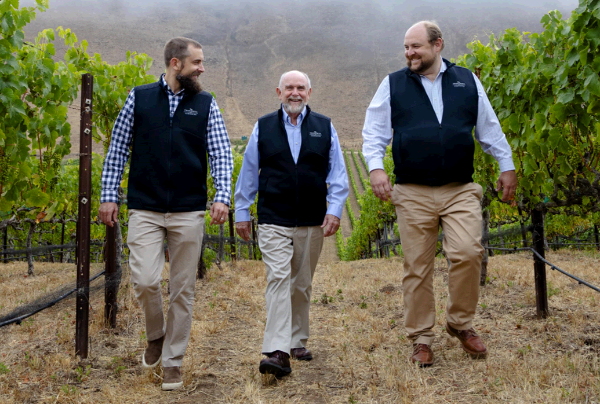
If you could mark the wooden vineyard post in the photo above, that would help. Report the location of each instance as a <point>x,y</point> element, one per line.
<point>5,244</point>
<point>83,219</point>
<point>254,239</point>
<point>111,284</point>
<point>201,266</point>
<point>539,267</point>
<point>485,241</point>
<point>62,238</point>
<point>596,235</point>
<point>232,236</point>
<point>221,252</point>
<point>251,246</point>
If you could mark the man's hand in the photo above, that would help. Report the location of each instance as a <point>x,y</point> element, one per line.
<point>331,224</point>
<point>243,230</point>
<point>380,184</point>
<point>218,213</point>
<point>507,182</point>
<point>108,213</point>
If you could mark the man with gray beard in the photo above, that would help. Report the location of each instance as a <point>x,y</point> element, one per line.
<point>174,128</point>
<point>291,157</point>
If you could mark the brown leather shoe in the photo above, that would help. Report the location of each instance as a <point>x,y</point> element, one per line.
<point>172,378</point>
<point>277,363</point>
<point>471,342</point>
<point>422,355</point>
<point>301,354</point>
<point>153,353</point>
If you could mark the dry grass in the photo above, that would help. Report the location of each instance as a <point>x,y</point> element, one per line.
<point>361,353</point>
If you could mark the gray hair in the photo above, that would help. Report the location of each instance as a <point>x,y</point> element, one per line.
<point>294,71</point>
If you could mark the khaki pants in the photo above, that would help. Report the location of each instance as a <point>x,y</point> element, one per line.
<point>421,210</point>
<point>184,232</point>
<point>290,255</point>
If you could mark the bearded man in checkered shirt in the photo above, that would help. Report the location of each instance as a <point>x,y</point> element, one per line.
<point>174,129</point>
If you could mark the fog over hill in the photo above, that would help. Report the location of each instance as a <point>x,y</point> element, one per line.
<point>346,47</point>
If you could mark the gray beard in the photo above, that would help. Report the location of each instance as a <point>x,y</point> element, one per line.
<point>293,110</point>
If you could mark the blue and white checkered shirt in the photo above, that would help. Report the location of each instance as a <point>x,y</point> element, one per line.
<point>218,147</point>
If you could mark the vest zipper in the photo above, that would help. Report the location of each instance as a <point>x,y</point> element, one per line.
<point>443,148</point>
<point>297,192</point>
<point>169,164</point>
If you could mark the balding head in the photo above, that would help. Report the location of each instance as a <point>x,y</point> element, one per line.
<point>431,30</point>
<point>296,73</point>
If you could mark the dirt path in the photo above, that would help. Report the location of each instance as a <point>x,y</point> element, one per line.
<point>355,169</point>
<point>329,252</point>
<point>361,166</point>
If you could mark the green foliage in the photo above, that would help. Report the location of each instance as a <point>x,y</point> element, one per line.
<point>546,92</point>
<point>351,178</point>
<point>4,369</point>
<point>373,214</point>
<point>339,242</point>
<point>36,92</point>
<point>365,183</point>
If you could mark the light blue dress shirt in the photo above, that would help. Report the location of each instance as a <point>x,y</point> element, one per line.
<point>246,186</point>
<point>377,131</point>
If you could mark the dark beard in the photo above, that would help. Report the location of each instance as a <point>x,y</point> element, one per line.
<point>424,65</point>
<point>189,83</point>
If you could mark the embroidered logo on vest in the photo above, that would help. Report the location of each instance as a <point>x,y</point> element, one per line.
<point>190,112</point>
<point>458,84</point>
<point>315,134</point>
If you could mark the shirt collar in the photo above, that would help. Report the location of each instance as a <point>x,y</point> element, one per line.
<point>166,86</point>
<point>443,68</point>
<point>286,117</point>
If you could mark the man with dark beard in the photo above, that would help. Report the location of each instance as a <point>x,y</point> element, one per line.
<point>429,109</point>
<point>173,128</point>
<point>292,155</point>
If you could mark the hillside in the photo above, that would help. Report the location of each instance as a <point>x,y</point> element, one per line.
<point>345,47</point>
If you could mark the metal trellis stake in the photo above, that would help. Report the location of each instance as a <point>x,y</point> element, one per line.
<point>83,220</point>
<point>232,236</point>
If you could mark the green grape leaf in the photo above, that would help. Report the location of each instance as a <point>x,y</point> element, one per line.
<point>592,83</point>
<point>566,96</point>
<point>36,198</point>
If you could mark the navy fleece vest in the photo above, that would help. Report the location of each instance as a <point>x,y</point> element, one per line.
<point>168,159</point>
<point>293,194</point>
<point>425,151</point>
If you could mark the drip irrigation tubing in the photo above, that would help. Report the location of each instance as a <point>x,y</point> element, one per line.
<point>18,320</point>
<point>551,265</point>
